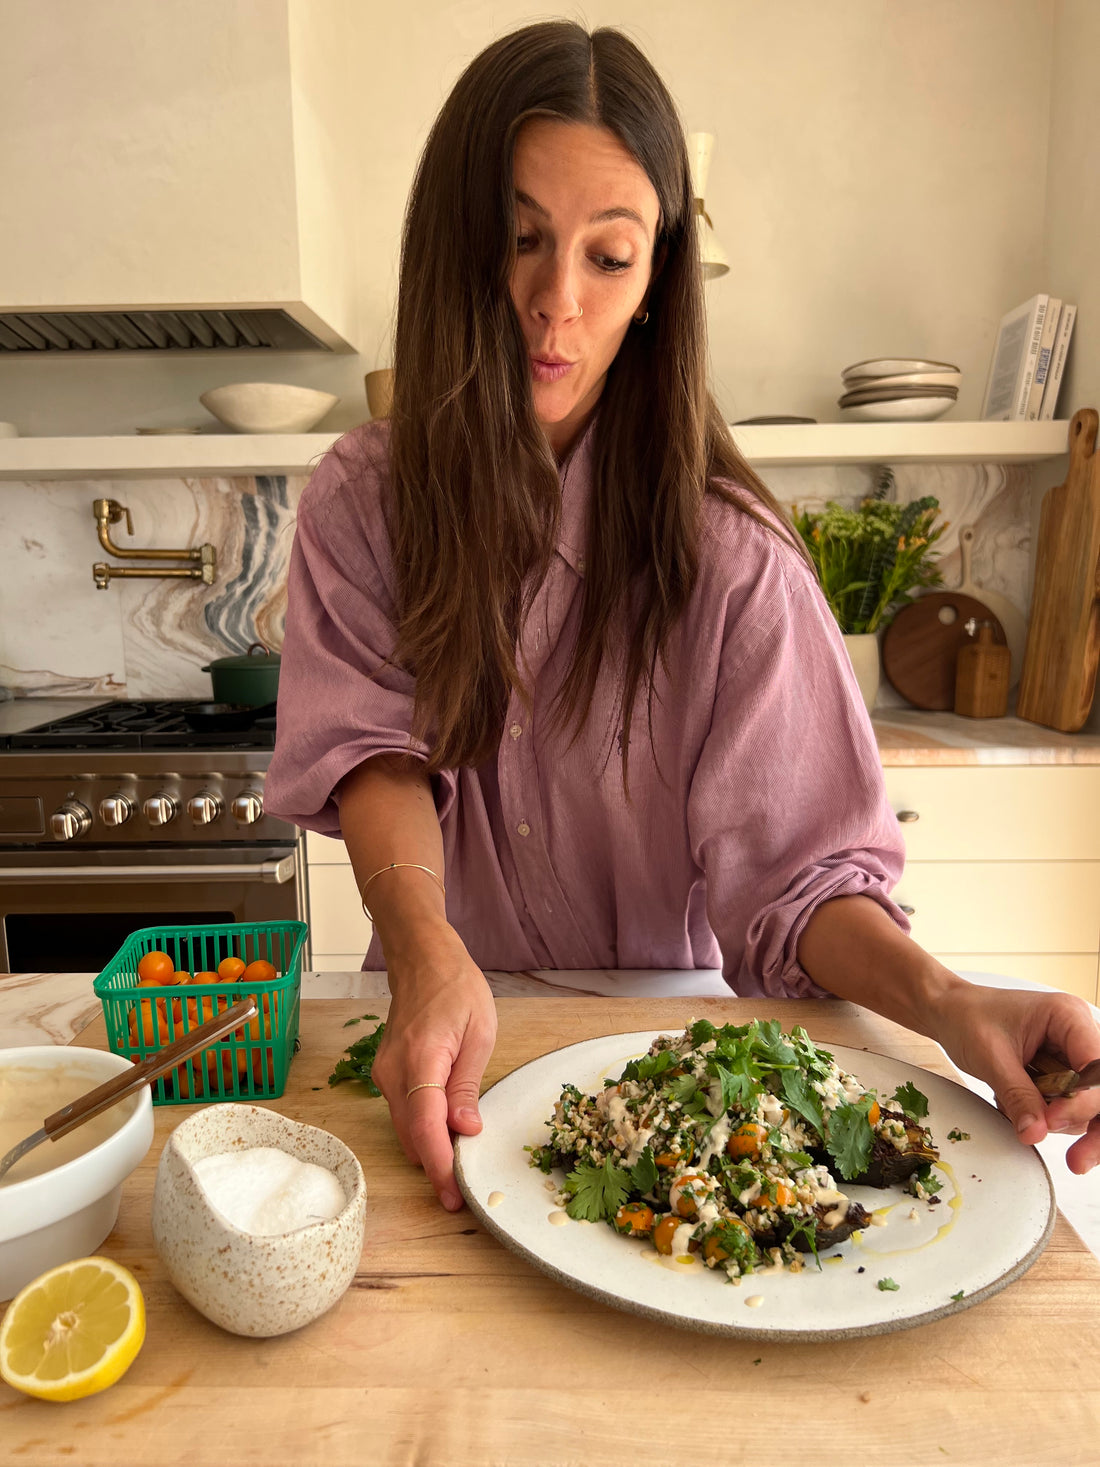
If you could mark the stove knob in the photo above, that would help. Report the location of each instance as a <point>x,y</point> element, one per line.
<point>160,809</point>
<point>247,807</point>
<point>72,820</point>
<point>115,810</point>
<point>204,809</point>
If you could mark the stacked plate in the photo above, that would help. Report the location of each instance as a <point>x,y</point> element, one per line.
<point>899,389</point>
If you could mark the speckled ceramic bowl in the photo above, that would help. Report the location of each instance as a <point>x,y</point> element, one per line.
<point>249,1284</point>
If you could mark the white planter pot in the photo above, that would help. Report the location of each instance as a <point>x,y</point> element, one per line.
<point>863,653</point>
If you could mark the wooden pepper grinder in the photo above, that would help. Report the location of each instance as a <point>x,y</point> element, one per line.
<point>982,672</point>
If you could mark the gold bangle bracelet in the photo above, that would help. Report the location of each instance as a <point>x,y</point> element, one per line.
<point>394,866</point>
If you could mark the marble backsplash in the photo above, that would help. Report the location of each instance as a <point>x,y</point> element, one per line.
<point>151,638</point>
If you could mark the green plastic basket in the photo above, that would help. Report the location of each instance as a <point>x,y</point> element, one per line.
<point>248,1065</point>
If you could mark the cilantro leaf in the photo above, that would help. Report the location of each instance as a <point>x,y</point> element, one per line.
<point>926,1178</point>
<point>802,1098</point>
<point>360,1058</point>
<point>770,1047</point>
<point>643,1173</point>
<point>702,1031</point>
<point>912,1102</point>
<point>596,1192</point>
<point>888,1286</point>
<point>958,1296</point>
<point>806,1227</point>
<point>850,1138</point>
<point>650,1066</point>
<point>683,1088</point>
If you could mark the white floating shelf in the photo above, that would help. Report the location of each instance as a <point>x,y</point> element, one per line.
<point>218,455</point>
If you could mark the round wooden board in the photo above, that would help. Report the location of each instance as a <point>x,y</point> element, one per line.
<point>919,649</point>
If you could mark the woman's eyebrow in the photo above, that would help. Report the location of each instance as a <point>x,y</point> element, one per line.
<point>604,216</point>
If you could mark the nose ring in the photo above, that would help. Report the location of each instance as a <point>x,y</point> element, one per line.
<point>580,312</point>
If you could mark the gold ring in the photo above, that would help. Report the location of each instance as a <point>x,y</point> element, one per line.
<point>425,1085</point>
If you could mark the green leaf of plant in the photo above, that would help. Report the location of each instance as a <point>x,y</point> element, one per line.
<point>360,1059</point>
<point>643,1174</point>
<point>912,1102</point>
<point>850,1138</point>
<point>596,1192</point>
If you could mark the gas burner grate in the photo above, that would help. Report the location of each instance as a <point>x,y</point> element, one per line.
<point>145,725</point>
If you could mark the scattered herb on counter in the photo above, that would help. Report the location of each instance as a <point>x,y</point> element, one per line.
<point>758,1359</point>
<point>957,1135</point>
<point>888,1286</point>
<point>958,1296</point>
<point>911,1100</point>
<point>360,1056</point>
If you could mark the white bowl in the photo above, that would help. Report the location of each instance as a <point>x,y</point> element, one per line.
<point>899,410</point>
<point>252,1284</point>
<point>894,366</point>
<point>67,1212</point>
<point>268,407</point>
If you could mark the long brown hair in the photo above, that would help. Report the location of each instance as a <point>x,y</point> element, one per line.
<point>474,492</point>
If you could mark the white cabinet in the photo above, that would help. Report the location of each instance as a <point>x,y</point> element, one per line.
<point>1003,868</point>
<point>339,931</point>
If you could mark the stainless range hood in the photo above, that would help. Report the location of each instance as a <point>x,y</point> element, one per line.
<point>205,330</point>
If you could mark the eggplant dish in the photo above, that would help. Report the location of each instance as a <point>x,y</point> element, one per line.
<point>727,1142</point>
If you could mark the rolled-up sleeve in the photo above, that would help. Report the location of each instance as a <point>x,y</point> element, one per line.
<point>341,698</point>
<point>788,806</point>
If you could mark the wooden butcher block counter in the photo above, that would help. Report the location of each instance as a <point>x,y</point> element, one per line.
<point>449,1349</point>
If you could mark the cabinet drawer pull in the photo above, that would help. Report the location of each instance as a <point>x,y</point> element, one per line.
<point>905,816</point>
<point>909,911</point>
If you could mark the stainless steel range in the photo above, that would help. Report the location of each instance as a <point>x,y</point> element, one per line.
<point>134,815</point>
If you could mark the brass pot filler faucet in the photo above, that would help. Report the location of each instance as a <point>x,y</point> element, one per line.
<point>108,512</point>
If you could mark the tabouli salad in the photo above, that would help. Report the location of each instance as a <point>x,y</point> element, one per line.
<point>722,1142</point>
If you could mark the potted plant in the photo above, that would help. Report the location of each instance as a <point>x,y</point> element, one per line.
<point>870,561</point>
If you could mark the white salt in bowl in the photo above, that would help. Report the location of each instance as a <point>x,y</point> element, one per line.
<point>67,1211</point>
<point>252,1284</point>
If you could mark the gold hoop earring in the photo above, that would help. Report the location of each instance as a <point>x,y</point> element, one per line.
<point>641,320</point>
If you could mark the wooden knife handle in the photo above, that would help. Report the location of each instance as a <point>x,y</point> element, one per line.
<point>151,1068</point>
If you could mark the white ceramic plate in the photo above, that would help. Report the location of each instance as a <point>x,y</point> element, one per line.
<point>894,366</point>
<point>900,410</point>
<point>994,1219</point>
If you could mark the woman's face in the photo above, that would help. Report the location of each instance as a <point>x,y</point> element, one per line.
<point>586,222</point>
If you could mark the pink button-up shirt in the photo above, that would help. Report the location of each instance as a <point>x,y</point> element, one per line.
<point>760,796</point>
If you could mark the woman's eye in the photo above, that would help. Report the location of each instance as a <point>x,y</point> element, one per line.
<point>611,264</point>
<point>524,242</point>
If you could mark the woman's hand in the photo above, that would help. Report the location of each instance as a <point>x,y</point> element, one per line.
<point>992,1032</point>
<point>440,1031</point>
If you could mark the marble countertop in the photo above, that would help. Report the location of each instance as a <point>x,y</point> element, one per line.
<point>52,1008</point>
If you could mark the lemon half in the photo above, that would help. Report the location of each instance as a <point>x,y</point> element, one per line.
<point>73,1331</point>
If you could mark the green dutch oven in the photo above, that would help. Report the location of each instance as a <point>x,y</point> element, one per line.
<point>249,680</point>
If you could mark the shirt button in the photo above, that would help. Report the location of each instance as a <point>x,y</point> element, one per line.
<point>523,828</point>
<point>516,730</point>
<point>580,564</point>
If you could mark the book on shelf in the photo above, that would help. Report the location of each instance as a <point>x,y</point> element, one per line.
<point>1066,318</point>
<point>1042,365</point>
<point>1015,360</point>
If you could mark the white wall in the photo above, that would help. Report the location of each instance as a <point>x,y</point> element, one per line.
<point>879,183</point>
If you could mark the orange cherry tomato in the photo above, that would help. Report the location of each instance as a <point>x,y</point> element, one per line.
<point>747,1140</point>
<point>231,969</point>
<point>206,977</point>
<point>634,1219</point>
<point>179,976</point>
<point>665,1231</point>
<point>714,1250</point>
<point>686,1204</point>
<point>874,1115</point>
<point>156,967</point>
<point>259,972</point>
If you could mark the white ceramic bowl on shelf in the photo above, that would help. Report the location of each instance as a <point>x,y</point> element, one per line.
<point>66,1212</point>
<point>268,407</point>
<point>249,1283</point>
<point>899,410</point>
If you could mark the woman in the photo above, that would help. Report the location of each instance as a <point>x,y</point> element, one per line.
<point>555,667</point>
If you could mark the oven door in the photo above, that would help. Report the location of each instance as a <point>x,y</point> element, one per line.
<point>70,911</point>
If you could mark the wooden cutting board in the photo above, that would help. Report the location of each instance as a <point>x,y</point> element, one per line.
<point>922,643</point>
<point>1063,639</point>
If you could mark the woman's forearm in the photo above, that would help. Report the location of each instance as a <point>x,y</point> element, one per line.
<point>852,947</point>
<point>387,814</point>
